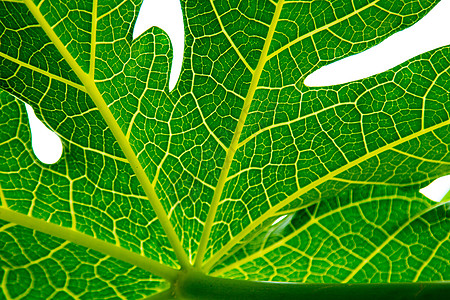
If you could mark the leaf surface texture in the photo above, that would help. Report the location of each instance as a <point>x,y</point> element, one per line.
<point>198,175</point>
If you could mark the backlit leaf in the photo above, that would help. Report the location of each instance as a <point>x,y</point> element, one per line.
<point>152,181</point>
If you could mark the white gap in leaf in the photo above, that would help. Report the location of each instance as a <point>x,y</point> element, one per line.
<point>166,15</point>
<point>46,144</point>
<point>429,33</point>
<point>437,189</point>
<point>279,220</point>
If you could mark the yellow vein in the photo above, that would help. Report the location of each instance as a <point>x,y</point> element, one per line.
<point>251,237</point>
<point>424,98</point>
<point>90,242</point>
<point>114,193</point>
<point>311,33</point>
<point>234,142</point>
<point>93,150</point>
<point>294,196</point>
<point>138,109</point>
<point>211,132</point>
<point>322,130</point>
<point>13,1</point>
<point>93,39</point>
<point>229,38</point>
<point>2,198</point>
<point>117,158</point>
<point>97,98</point>
<point>421,158</point>
<point>166,154</point>
<point>389,239</point>
<point>288,123</point>
<point>280,242</point>
<point>45,73</point>
<point>7,226</point>
<point>71,202</point>
<point>342,246</point>
<point>283,241</point>
<point>390,12</point>
<point>433,254</point>
<point>243,171</point>
<point>5,285</point>
<point>349,181</point>
<point>116,7</point>
<point>44,257</point>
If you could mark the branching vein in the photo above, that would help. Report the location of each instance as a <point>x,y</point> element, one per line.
<point>97,98</point>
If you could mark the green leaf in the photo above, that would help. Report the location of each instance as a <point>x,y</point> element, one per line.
<point>59,269</point>
<point>156,185</point>
<point>374,234</point>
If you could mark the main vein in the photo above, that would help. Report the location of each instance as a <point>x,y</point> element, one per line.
<point>97,98</point>
<point>236,49</point>
<point>93,40</point>
<point>311,33</point>
<point>330,176</point>
<point>43,72</point>
<point>90,242</point>
<point>235,141</point>
<point>294,233</point>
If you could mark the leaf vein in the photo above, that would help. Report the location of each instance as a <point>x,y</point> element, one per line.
<point>97,98</point>
<point>222,27</point>
<point>235,140</point>
<point>43,72</point>
<point>300,38</point>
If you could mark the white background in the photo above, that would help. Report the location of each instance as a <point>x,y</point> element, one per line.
<point>429,33</point>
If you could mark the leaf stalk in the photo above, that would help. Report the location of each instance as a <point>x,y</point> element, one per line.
<point>194,285</point>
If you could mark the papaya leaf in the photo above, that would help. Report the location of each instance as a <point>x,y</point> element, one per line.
<point>240,172</point>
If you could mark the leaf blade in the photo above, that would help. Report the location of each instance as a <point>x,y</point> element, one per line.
<point>46,267</point>
<point>117,132</point>
<point>236,137</point>
<point>341,239</point>
<point>371,165</point>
